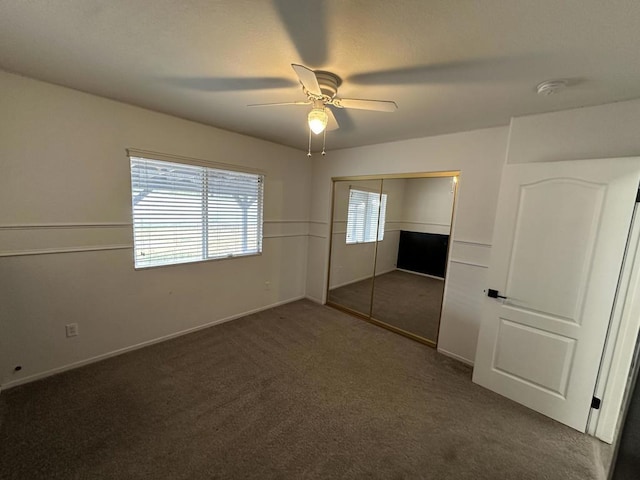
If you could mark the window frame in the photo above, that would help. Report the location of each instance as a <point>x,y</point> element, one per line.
<point>215,166</point>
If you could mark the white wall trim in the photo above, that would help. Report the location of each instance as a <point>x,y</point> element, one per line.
<point>359,279</point>
<point>455,356</point>
<point>470,253</point>
<point>422,223</point>
<point>620,345</point>
<point>99,248</point>
<point>469,242</point>
<point>49,251</point>
<point>362,278</point>
<point>35,226</point>
<point>137,346</point>
<point>420,274</point>
<point>286,235</point>
<point>461,262</point>
<point>285,221</point>
<point>409,223</point>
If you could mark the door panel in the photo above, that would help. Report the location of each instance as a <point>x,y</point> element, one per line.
<point>559,239</point>
<point>518,343</point>
<point>541,282</point>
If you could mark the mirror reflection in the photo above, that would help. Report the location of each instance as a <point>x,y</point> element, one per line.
<point>411,261</point>
<point>356,214</point>
<point>389,251</point>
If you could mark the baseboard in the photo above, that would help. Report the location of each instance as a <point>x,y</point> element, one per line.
<point>604,462</point>
<point>313,299</point>
<point>420,274</point>
<point>120,351</point>
<point>455,356</point>
<point>362,278</point>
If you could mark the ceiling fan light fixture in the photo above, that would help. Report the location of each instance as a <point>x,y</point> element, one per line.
<point>317,119</point>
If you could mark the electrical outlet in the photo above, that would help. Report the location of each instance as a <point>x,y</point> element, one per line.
<point>267,285</point>
<point>72,329</point>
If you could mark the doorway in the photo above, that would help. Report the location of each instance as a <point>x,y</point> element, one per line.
<point>390,237</point>
<point>559,242</point>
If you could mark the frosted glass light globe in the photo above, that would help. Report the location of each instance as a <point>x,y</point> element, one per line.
<point>318,119</point>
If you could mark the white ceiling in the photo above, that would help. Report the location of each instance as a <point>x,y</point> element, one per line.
<point>450,65</point>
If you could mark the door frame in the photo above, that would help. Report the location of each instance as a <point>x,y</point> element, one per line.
<point>620,344</point>
<point>382,177</point>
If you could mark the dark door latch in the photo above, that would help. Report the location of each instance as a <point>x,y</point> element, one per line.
<point>494,294</point>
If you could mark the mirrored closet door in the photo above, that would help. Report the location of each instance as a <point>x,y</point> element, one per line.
<point>356,211</point>
<point>389,249</point>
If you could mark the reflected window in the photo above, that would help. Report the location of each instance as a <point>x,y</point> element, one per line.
<point>362,219</point>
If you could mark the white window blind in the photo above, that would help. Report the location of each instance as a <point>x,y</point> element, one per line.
<point>187,213</point>
<point>365,208</point>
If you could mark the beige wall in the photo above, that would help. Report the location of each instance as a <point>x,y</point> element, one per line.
<point>65,188</point>
<point>604,131</point>
<point>428,203</point>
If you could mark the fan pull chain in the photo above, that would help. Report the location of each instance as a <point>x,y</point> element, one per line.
<point>309,153</point>
<point>324,141</point>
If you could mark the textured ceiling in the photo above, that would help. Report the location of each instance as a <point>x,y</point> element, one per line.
<point>450,65</point>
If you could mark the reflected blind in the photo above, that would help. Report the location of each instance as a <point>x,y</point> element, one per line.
<point>187,213</point>
<point>365,208</point>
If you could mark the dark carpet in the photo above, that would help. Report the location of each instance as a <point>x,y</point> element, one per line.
<point>299,391</point>
<point>404,300</point>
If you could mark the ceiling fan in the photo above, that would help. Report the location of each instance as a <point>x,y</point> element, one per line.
<point>321,89</point>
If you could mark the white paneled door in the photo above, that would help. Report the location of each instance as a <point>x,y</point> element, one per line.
<point>558,245</point>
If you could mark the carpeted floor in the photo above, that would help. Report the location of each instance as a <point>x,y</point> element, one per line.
<point>299,391</point>
<point>402,299</point>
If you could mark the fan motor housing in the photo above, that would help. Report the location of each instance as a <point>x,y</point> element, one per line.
<point>329,82</point>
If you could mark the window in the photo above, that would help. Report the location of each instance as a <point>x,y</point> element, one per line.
<point>188,213</point>
<point>362,217</point>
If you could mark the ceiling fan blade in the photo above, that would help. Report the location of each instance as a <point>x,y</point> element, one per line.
<point>307,78</point>
<point>377,105</point>
<point>332,123</point>
<point>227,84</point>
<point>344,117</point>
<point>278,104</point>
<point>306,24</point>
<point>463,71</point>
